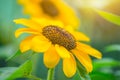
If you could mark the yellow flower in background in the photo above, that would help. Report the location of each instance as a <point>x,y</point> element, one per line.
<point>56,42</point>
<point>51,9</point>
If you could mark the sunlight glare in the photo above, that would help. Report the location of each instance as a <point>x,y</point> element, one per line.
<point>99,3</point>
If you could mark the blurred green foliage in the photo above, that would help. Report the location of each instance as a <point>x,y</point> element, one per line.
<point>101,32</point>
<point>109,16</point>
<point>115,47</point>
<point>106,69</point>
<point>11,73</point>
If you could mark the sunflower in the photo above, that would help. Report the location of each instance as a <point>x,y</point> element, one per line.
<point>55,41</point>
<point>51,9</point>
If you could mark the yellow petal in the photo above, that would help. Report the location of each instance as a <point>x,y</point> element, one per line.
<point>51,58</point>
<point>22,1</point>
<point>84,59</point>
<point>69,66</point>
<point>28,23</point>
<point>40,44</point>
<point>69,28</point>
<point>26,44</point>
<point>28,1</point>
<point>43,21</point>
<point>67,14</point>
<point>89,50</point>
<point>63,52</point>
<point>80,36</point>
<point>25,30</point>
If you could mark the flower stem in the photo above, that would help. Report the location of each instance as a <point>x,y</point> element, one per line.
<point>50,74</point>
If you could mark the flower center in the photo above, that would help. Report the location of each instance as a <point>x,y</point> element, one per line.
<point>49,8</point>
<point>59,36</point>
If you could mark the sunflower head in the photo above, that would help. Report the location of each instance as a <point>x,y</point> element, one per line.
<point>51,9</point>
<point>59,36</point>
<point>52,38</point>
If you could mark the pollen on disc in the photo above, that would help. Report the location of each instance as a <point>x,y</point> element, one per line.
<point>59,36</point>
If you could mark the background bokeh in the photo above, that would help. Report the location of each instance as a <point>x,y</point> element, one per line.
<point>102,33</point>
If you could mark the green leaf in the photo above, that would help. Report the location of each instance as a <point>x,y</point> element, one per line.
<point>105,69</point>
<point>109,17</point>
<point>105,62</point>
<point>12,73</point>
<point>81,69</point>
<point>82,72</point>
<point>77,76</point>
<point>23,71</point>
<point>14,55</point>
<point>102,76</point>
<point>6,71</point>
<point>112,48</point>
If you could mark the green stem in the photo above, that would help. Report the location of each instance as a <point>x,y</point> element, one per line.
<point>50,74</point>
